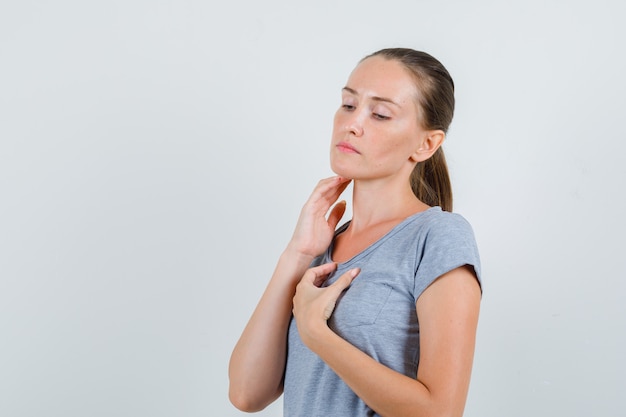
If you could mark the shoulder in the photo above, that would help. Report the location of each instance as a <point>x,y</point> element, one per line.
<point>432,228</point>
<point>435,223</point>
<point>447,242</point>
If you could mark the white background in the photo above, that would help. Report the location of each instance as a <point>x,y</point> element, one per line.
<point>154,156</point>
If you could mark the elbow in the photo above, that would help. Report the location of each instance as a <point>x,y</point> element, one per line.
<point>246,401</point>
<point>443,412</point>
<point>243,402</point>
<point>443,406</point>
<point>447,409</point>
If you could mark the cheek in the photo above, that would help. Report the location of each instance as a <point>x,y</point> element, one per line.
<point>398,146</point>
<point>337,123</point>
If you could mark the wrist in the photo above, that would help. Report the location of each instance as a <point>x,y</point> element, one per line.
<point>290,268</point>
<point>317,336</point>
<point>292,255</point>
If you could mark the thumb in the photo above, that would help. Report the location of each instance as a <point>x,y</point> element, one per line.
<point>337,288</point>
<point>336,214</point>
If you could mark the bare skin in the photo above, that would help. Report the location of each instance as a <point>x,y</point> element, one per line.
<point>376,141</point>
<point>448,312</point>
<point>258,360</point>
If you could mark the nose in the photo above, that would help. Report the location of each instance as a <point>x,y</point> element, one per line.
<point>354,123</point>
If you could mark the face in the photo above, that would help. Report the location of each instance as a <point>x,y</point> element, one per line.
<point>376,130</point>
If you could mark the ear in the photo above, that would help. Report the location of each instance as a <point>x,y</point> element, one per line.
<point>429,144</point>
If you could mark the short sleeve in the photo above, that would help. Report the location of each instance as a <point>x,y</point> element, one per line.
<point>448,243</point>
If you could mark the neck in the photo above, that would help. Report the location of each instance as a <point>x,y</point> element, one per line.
<point>382,201</point>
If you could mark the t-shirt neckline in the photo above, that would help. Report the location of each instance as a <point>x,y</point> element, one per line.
<point>376,243</point>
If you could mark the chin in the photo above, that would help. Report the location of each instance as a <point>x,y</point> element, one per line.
<point>342,171</point>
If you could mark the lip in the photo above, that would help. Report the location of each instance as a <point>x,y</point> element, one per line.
<point>346,147</point>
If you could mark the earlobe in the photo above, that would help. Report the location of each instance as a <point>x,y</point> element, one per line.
<point>429,145</point>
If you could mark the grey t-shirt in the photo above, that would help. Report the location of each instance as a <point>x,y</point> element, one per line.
<point>377,312</point>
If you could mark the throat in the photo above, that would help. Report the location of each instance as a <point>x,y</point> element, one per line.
<point>367,228</point>
<point>351,242</point>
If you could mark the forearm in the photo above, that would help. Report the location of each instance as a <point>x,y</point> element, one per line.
<point>257,363</point>
<point>449,314</point>
<point>258,360</point>
<point>386,391</point>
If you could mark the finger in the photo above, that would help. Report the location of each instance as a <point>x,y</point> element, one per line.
<point>334,181</point>
<point>337,288</point>
<point>318,274</point>
<point>328,185</point>
<point>340,185</point>
<point>344,281</point>
<point>336,214</point>
<point>328,311</point>
<point>330,189</point>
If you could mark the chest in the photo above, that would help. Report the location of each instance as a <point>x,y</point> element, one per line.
<point>350,243</point>
<point>377,312</point>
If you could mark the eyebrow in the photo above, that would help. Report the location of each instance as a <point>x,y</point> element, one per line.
<point>375,98</point>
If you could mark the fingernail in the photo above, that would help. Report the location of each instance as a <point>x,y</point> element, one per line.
<point>354,272</point>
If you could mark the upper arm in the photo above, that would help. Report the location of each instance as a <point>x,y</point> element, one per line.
<point>448,316</point>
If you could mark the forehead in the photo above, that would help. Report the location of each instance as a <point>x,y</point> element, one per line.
<point>383,77</point>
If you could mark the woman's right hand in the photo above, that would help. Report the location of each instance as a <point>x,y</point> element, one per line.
<point>314,231</point>
<point>257,364</point>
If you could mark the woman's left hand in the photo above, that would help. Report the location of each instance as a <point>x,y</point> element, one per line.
<point>313,304</point>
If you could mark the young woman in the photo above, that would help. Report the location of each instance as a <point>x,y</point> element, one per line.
<point>350,313</point>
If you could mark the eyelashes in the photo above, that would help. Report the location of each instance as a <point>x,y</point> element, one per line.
<point>375,115</point>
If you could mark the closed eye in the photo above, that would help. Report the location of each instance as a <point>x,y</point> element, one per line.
<point>348,107</point>
<point>380,116</point>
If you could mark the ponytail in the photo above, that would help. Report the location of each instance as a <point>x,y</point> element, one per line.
<point>430,181</point>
